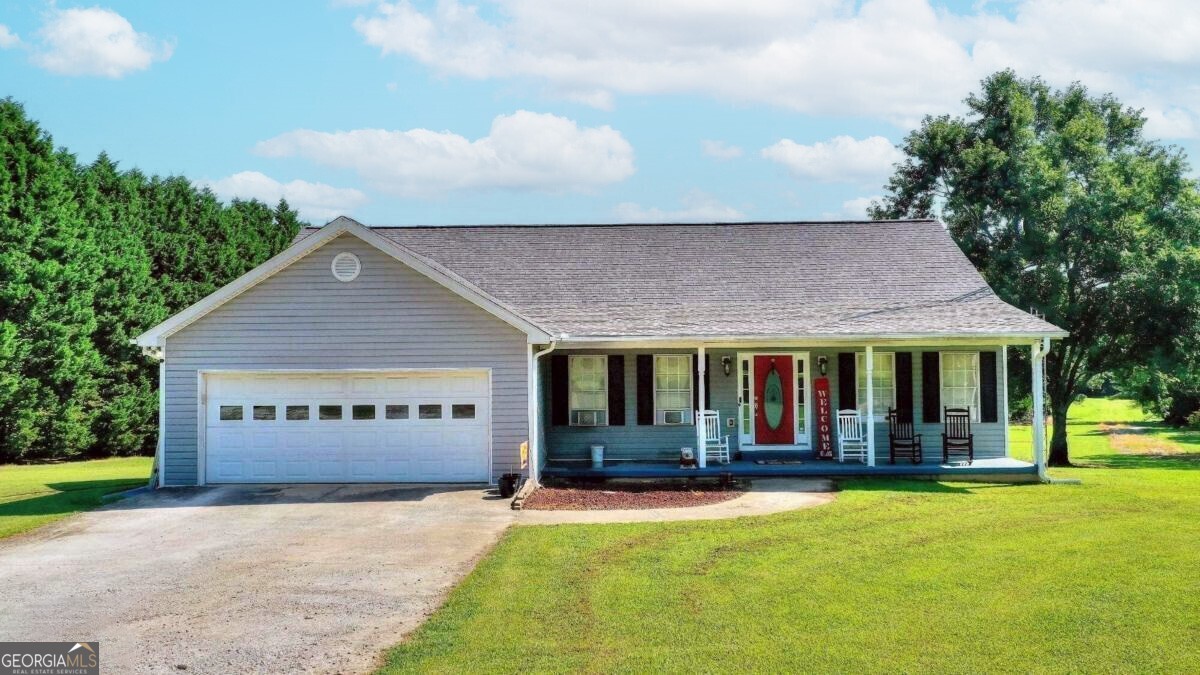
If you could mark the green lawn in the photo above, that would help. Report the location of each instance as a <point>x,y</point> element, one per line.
<point>896,576</point>
<point>33,495</point>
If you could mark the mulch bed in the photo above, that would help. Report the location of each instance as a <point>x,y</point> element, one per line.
<point>657,496</point>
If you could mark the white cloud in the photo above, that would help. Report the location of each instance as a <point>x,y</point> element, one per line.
<point>891,59</point>
<point>522,151</point>
<point>840,159</point>
<point>95,41</point>
<point>316,202</point>
<point>8,39</point>
<point>720,149</point>
<point>697,207</point>
<point>857,208</point>
<point>821,56</point>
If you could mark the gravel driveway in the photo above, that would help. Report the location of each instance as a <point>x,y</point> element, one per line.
<point>240,579</point>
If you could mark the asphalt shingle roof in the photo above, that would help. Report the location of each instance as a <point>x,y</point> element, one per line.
<point>876,278</point>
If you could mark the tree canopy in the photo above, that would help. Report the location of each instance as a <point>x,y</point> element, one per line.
<point>1068,209</point>
<point>91,256</point>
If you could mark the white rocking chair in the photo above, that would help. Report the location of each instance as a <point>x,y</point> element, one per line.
<point>716,446</point>
<point>852,440</point>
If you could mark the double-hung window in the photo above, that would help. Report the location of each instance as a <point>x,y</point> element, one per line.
<point>588,376</point>
<point>672,389</point>
<point>960,381</point>
<point>883,382</point>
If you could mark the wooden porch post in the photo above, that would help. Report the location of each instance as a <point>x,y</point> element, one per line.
<point>701,450</point>
<point>870,359</point>
<point>1039,414</point>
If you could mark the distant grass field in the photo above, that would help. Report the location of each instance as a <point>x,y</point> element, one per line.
<point>894,576</point>
<point>37,494</point>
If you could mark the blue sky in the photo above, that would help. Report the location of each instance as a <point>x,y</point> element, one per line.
<point>539,111</point>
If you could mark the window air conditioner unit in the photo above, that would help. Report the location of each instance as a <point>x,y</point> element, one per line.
<point>669,417</point>
<point>590,418</point>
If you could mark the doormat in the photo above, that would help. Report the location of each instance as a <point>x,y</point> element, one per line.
<point>777,461</point>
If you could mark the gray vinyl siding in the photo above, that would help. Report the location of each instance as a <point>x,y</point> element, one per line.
<point>302,318</point>
<point>634,442</point>
<point>628,441</point>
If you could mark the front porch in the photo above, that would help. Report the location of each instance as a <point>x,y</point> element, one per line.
<point>999,469</point>
<point>775,408</point>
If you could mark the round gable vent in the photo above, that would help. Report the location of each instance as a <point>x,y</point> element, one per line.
<point>345,266</point>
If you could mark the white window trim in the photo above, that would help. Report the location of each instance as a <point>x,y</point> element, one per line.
<point>860,365</point>
<point>570,408</point>
<point>691,373</point>
<point>804,379</point>
<point>974,407</point>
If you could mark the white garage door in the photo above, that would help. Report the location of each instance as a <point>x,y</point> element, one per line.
<point>346,427</point>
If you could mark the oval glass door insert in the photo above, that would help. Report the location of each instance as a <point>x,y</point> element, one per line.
<point>773,399</point>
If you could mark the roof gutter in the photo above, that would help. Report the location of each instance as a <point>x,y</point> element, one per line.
<point>831,338</point>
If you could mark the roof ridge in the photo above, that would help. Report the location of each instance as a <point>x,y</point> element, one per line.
<point>662,224</point>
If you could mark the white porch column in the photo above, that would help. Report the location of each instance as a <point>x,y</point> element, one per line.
<point>870,359</point>
<point>533,403</point>
<point>1039,414</point>
<point>1004,397</point>
<point>701,451</point>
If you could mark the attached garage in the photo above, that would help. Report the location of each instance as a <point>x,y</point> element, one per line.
<point>345,358</point>
<point>346,427</point>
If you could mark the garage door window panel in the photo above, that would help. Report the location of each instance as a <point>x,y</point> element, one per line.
<point>264,413</point>
<point>463,411</point>
<point>231,413</point>
<point>297,413</point>
<point>430,411</point>
<point>329,412</point>
<point>396,412</point>
<point>362,411</point>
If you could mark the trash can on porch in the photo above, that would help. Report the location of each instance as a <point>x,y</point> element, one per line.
<point>597,456</point>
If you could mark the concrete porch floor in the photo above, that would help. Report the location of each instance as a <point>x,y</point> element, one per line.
<point>1003,469</point>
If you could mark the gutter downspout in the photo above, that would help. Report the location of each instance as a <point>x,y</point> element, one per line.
<point>1039,351</point>
<point>535,417</point>
<point>1037,362</point>
<point>157,470</point>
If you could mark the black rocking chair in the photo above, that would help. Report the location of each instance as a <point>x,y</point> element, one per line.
<point>903,442</point>
<point>957,438</point>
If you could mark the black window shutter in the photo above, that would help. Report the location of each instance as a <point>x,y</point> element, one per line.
<point>931,388</point>
<point>558,390</point>
<point>645,389</point>
<point>904,389</point>
<point>616,390</point>
<point>847,385</point>
<point>987,387</point>
<point>696,383</point>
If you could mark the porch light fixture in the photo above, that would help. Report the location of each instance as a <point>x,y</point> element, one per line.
<point>822,364</point>
<point>727,365</point>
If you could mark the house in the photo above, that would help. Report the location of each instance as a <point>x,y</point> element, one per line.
<point>429,354</point>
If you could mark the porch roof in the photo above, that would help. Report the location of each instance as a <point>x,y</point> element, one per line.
<point>882,279</point>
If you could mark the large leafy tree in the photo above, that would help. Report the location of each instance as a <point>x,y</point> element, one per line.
<point>1067,208</point>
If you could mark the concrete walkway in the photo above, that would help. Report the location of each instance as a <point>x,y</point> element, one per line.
<point>766,496</point>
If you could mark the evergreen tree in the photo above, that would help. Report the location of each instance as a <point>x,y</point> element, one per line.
<point>48,270</point>
<point>91,256</point>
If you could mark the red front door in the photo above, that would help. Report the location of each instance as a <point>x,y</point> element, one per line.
<point>773,398</point>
